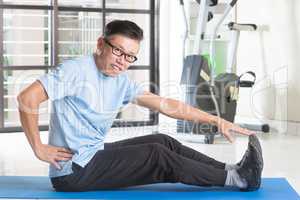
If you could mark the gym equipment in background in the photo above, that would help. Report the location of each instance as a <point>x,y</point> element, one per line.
<point>202,87</point>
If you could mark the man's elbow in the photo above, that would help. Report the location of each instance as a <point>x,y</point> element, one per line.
<point>22,97</point>
<point>26,102</point>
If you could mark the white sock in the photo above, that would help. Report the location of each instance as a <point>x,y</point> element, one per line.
<point>231,167</point>
<point>234,179</point>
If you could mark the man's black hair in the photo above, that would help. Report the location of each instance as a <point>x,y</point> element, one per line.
<point>124,27</point>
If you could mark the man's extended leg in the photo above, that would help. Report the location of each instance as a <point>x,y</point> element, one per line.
<point>154,163</point>
<point>140,164</point>
<point>170,143</point>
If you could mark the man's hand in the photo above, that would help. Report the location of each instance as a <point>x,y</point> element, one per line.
<point>52,154</point>
<point>227,128</point>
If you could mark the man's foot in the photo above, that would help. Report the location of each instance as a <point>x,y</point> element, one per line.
<point>251,165</point>
<point>253,141</point>
<point>246,154</point>
<point>238,165</point>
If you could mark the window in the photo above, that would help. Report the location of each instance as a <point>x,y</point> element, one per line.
<point>36,35</point>
<point>77,33</point>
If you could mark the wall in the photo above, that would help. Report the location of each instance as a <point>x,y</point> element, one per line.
<point>272,53</point>
<point>171,37</point>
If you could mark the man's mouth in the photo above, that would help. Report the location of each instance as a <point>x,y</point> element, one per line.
<point>116,67</point>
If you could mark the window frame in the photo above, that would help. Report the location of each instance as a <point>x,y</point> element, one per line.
<point>153,66</point>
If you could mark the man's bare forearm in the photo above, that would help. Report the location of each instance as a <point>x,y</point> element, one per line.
<point>29,120</point>
<point>179,110</point>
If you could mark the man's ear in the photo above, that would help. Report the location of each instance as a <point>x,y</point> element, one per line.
<point>100,43</point>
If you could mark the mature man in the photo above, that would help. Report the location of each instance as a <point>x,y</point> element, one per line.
<point>86,94</point>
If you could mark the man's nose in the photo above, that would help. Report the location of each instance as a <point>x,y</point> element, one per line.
<point>121,59</point>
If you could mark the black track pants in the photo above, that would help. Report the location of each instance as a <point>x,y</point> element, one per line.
<point>143,160</point>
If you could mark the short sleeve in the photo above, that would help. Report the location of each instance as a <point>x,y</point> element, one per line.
<point>132,91</point>
<point>60,81</point>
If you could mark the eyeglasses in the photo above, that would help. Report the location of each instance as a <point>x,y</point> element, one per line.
<point>118,52</point>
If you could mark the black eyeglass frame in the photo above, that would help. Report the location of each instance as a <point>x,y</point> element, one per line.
<point>113,48</point>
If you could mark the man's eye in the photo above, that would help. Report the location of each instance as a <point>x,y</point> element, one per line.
<point>130,57</point>
<point>117,50</point>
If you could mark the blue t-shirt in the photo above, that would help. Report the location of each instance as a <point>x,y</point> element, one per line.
<point>84,105</point>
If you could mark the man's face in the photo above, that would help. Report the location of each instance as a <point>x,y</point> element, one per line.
<point>117,53</point>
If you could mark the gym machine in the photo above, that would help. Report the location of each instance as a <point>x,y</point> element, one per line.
<point>202,87</point>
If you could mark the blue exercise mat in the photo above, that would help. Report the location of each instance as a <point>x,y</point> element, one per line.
<point>21,187</point>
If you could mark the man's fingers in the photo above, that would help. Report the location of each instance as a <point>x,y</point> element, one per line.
<point>61,149</point>
<point>62,159</point>
<point>53,162</point>
<point>242,130</point>
<point>64,155</point>
<point>229,137</point>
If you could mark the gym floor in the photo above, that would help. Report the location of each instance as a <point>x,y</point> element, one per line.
<point>280,153</point>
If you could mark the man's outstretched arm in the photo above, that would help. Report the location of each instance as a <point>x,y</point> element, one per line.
<point>29,101</point>
<point>179,110</point>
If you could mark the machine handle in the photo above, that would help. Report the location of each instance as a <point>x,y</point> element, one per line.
<point>245,83</point>
<point>233,3</point>
<point>242,27</point>
<point>181,2</point>
<point>211,3</point>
